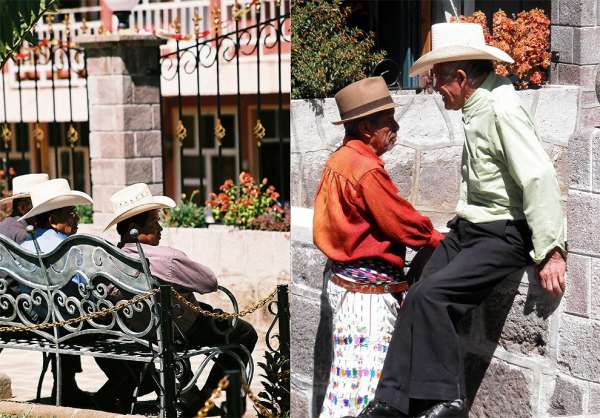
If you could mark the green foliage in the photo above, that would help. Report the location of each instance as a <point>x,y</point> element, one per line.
<point>242,204</point>
<point>187,214</point>
<point>327,55</point>
<point>85,213</point>
<point>17,18</point>
<point>276,383</point>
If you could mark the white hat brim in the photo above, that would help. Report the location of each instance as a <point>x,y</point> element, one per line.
<point>14,197</point>
<point>457,53</point>
<point>145,205</point>
<point>71,198</point>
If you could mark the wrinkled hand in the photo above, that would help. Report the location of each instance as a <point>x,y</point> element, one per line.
<point>551,273</point>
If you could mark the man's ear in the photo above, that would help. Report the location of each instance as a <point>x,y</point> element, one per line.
<point>364,129</point>
<point>462,78</point>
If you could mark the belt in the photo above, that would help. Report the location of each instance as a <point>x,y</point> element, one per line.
<point>369,288</point>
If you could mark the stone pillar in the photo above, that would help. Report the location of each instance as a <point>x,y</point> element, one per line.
<point>124,114</point>
<point>576,38</point>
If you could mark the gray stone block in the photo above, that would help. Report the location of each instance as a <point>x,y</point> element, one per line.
<point>559,156</point>
<point>111,89</point>
<point>312,168</point>
<point>299,403</point>
<point>562,42</point>
<point>584,230</point>
<point>147,143</point>
<point>594,135</point>
<point>567,398</point>
<point>111,145</point>
<point>311,350</point>
<point>578,348</point>
<point>146,89</point>
<point>580,164</point>
<point>590,117</point>
<point>517,317</point>
<point>598,78</point>
<point>296,188</point>
<point>576,295</point>
<point>595,289</point>
<point>423,125</point>
<point>554,123</point>
<point>137,118</point>
<point>400,164</point>
<point>554,7</point>
<point>308,264</point>
<point>529,100</point>
<point>439,179</point>
<point>594,399</point>
<point>500,390</point>
<point>582,75</point>
<point>139,170</point>
<point>586,43</point>
<point>5,387</point>
<point>155,117</point>
<point>311,126</point>
<point>577,12</point>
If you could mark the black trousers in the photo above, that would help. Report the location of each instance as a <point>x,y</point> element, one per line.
<point>425,358</point>
<point>124,375</point>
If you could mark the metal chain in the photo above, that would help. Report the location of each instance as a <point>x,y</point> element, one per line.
<point>264,411</point>
<point>226,315</point>
<point>102,312</point>
<point>210,402</point>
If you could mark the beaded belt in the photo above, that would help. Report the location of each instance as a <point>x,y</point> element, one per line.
<point>370,288</point>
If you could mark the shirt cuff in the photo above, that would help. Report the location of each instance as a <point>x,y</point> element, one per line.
<point>539,256</point>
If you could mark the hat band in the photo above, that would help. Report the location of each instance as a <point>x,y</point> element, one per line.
<point>364,108</point>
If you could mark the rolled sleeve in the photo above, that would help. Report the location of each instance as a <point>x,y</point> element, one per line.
<point>532,170</point>
<point>396,217</point>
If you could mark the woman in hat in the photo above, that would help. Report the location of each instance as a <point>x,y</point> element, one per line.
<point>54,214</point>
<point>363,226</point>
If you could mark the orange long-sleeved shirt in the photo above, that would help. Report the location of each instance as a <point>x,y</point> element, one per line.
<point>358,212</point>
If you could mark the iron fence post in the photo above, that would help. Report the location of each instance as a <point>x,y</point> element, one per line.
<point>283,311</point>
<point>167,359</point>
<point>234,403</point>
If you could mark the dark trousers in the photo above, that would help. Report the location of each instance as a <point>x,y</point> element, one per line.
<point>425,358</point>
<point>124,375</point>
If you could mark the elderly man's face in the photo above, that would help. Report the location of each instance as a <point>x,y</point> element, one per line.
<point>453,87</point>
<point>382,130</point>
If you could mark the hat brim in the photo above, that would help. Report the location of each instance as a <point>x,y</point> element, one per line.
<point>155,202</point>
<point>457,53</point>
<point>14,197</point>
<point>72,198</point>
<point>370,112</point>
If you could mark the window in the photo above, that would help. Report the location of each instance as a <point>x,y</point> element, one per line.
<point>272,160</point>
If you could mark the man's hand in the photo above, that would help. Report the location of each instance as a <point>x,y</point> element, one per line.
<point>551,273</point>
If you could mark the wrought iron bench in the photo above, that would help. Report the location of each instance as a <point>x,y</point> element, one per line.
<point>33,294</point>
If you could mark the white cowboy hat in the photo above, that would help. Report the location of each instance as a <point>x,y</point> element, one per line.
<point>54,194</point>
<point>22,185</point>
<point>457,42</point>
<point>135,199</point>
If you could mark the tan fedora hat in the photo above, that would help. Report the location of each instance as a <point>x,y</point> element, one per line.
<point>457,42</point>
<point>135,199</point>
<point>22,185</point>
<point>54,194</point>
<point>363,98</point>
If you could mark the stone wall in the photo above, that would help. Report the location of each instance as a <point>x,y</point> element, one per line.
<point>575,35</point>
<point>521,346</point>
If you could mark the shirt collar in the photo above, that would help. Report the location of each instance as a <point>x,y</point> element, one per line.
<point>362,148</point>
<point>473,103</point>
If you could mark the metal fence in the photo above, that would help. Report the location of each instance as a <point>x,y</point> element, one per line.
<point>203,59</point>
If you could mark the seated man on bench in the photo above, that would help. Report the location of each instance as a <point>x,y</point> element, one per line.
<point>53,211</point>
<point>136,208</point>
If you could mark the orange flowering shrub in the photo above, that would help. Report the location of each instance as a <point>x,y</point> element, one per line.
<point>525,37</point>
<point>242,204</point>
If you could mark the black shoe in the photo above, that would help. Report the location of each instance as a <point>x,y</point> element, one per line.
<point>449,409</point>
<point>380,409</point>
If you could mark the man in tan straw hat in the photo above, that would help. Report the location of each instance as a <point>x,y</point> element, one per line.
<point>508,214</point>
<point>12,227</point>
<point>363,227</point>
<point>136,208</point>
<point>54,214</point>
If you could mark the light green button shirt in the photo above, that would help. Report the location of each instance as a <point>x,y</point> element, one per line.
<point>506,173</point>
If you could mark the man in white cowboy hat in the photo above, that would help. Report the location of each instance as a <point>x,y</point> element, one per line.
<point>12,227</point>
<point>54,214</point>
<point>508,214</point>
<point>363,226</point>
<point>136,208</point>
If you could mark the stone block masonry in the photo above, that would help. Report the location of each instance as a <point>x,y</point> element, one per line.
<point>526,354</point>
<point>125,136</point>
